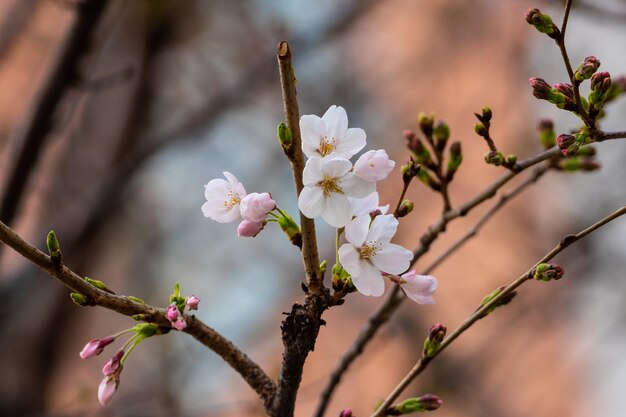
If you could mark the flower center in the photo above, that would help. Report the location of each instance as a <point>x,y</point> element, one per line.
<point>369,249</point>
<point>231,201</point>
<point>329,185</point>
<point>327,145</point>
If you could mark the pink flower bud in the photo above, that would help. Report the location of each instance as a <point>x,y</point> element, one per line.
<point>419,288</point>
<point>107,388</point>
<point>172,312</point>
<point>179,324</point>
<point>346,413</point>
<point>95,347</point>
<point>250,229</point>
<point>254,207</point>
<point>374,165</point>
<point>192,302</point>
<point>113,365</point>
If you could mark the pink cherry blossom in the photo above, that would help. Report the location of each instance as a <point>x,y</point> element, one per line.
<point>113,364</point>
<point>172,312</point>
<point>223,199</point>
<point>108,387</point>
<point>374,165</point>
<point>254,207</point>
<point>95,347</point>
<point>419,288</point>
<point>179,324</point>
<point>329,135</point>
<point>250,229</point>
<point>328,183</point>
<point>369,252</point>
<point>192,302</point>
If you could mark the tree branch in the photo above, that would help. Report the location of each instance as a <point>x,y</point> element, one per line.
<point>239,361</point>
<point>421,364</point>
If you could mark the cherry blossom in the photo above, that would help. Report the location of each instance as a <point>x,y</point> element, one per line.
<point>192,302</point>
<point>250,229</point>
<point>329,135</point>
<point>419,288</point>
<point>374,165</point>
<point>113,364</point>
<point>175,318</point>
<point>254,207</point>
<point>369,252</point>
<point>223,198</point>
<point>107,388</point>
<point>367,205</point>
<point>95,347</point>
<point>328,183</point>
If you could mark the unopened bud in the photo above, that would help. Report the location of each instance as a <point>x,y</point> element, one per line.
<point>323,266</point>
<point>436,335</point>
<point>564,141</point>
<point>79,299</point>
<point>547,137</point>
<point>441,133</point>
<point>54,249</point>
<point>405,208</point>
<point>427,402</point>
<point>98,284</point>
<point>346,413</point>
<point>284,135</point>
<point>511,159</point>
<point>543,23</point>
<point>480,129</point>
<point>587,150</point>
<point>425,178</point>
<point>494,158</point>
<point>600,85</point>
<point>541,89</point>
<point>136,299</point>
<point>410,170</point>
<point>585,70</point>
<point>503,301</point>
<point>547,272</point>
<point>578,164</point>
<point>487,114</point>
<point>421,153</point>
<point>426,123</point>
<point>455,159</point>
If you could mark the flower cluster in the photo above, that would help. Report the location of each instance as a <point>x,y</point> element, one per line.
<point>178,303</point>
<point>330,180</point>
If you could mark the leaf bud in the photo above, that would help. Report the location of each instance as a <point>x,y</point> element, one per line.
<point>494,158</point>
<point>441,132</point>
<point>511,159</point>
<point>284,135</point>
<point>547,137</point>
<point>98,284</point>
<point>480,129</point>
<point>54,249</point>
<point>503,301</point>
<point>79,299</point>
<point>487,114</point>
<point>405,208</point>
<point>426,123</point>
<point>454,160</point>
<point>436,335</point>
<point>410,170</point>
<point>547,272</point>
<point>427,402</point>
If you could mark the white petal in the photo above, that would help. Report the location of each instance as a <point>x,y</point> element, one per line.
<point>383,228</point>
<point>350,259</point>
<point>351,143</point>
<point>374,165</point>
<point>419,288</point>
<point>393,259</point>
<point>336,121</point>
<point>355,186</point>
<point>356,231</point>
<point>361,206</point>
<point>370,281</point>
<point>337,211</point>
<point>228,215</point>
<point>312,129</point>
<point>419,299</point>
<point>335,167</point>
<point>236,186</point>
<point>311,201</point>
<point>312,173</point>
<point>216,189</point>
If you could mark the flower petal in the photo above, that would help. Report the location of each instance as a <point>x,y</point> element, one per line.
<point>350,259</point>
<point>335,167</point>
<point>361,206</point>
<point>356,231</point>
<point>336,121</point>
<point>355,186</point>
<point>312,129</point>
<point>369,281</point>
<point>312,173</point>
<point>311,201</point>
<point>393,259</point>
<point>337,211</point>
<point>383,228</point>
<point>351,143</point>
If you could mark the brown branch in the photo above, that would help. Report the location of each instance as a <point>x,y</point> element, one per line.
<point>32,134</point>
<point>421,364</point>
<point>239,361</point>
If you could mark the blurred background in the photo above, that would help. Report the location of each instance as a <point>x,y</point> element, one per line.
<point>114,114</point>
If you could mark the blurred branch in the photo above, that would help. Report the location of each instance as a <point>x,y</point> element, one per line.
<point>31,135</point>
<point>239,361</point>
<point>14,20</point>
<point>422,364</point>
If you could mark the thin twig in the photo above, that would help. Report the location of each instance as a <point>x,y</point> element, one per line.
<point>478,314</point>
<point>239,361</point>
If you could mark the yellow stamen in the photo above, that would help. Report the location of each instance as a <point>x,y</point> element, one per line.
<point>231,201</point>
<point>327,146</point>
<point>369,249</point>
<point>329,185</point>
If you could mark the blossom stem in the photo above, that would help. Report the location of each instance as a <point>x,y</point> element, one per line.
<point>423,362</point>
<point>135,341</point>
<point>405,187</point>
<point>337,243</point>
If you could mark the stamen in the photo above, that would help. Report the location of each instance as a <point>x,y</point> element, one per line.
<point>327,146</point>
<point>369,249</point>
<point>329,185</point>
<point>231,201</point>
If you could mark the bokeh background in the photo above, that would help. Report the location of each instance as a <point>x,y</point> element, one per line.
<point>164,95</point>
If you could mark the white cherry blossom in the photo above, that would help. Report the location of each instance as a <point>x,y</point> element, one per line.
<point>328,183</point>
<point>223,199</point>
<point>374,165</point>
<point>369,252</point>
<point>255,206</point>
<point>361,206</point>
<point>419,288</point>
<point>329,135</point>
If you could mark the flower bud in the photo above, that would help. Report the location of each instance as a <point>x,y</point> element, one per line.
<point>547,137</point>
<point>511,159</point>
<point>250,229</point>
<point>95,347</point>
<point>54,249</point>
<point>421,153</point>
<point>480,129</point>
<point>373,165</point>
<point>600,85</point>
<point>346,413</point>
<point>564,141</point>
<point>113,364</point>
<point>192,302</point>
<point>419,288</point>
<point>172,312</point>
<point>107,388</point>
<point>426,178</point>
<point>435,336</point>
<point>494,158</point>
<point>427,402</point>
<point>455,159</point>
<point>255,206</point>
<point>410,170</point>
<point>547,272</point>
<point>441,133</point>
<point>503,301</point>
<point>578,164</point>
<point>487,114</point>
<point>585,70</point>
<point>284,135</point>
<point>541,89</point>
<point>543,23</point>
<point>566,89</point>
<point>426,123</point>
<point>405,208</point>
